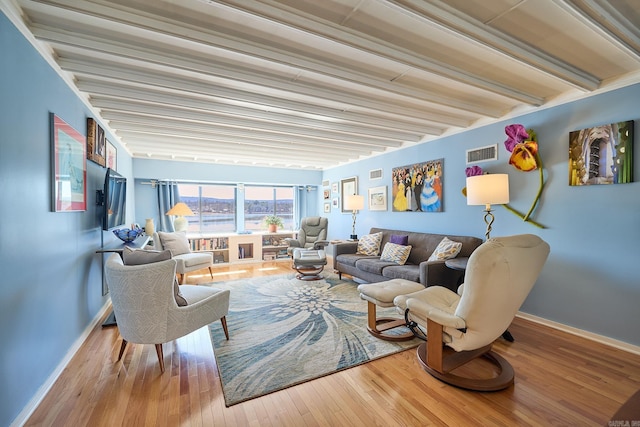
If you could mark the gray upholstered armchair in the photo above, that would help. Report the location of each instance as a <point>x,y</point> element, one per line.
<point>144,299</point>
<point>312,234</point>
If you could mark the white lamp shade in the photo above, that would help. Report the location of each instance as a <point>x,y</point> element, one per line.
<point>488,189</point>
<point>354,202</point>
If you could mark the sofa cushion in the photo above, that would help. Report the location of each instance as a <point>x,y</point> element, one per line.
<point>407,271</point>
<point>446,249</point>
<point>395,253</point>
<point>370,244</point>
<point>144,256</point>
<point>399,239</point>
<point>177,242</point>
<point>351,259</point>
<point>373,265</point>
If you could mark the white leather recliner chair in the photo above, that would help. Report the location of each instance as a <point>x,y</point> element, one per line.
<point>462,326</point>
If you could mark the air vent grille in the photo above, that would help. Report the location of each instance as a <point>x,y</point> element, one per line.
<point>482,154</point>
<point>375,174</point>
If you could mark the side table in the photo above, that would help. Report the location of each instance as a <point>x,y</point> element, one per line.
<point>460,264</point>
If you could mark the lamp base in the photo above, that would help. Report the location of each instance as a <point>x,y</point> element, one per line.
<point>353,237</point>
<point>180,224</point>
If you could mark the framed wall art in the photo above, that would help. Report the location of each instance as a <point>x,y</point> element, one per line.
<point>69,167</point>
<point>418,187</point>
<point>378,198</point>
<point>327,207</point>
<point>348,186</point>
<point>112,156</point>
<point>601,154</point>
<point>96,143</point>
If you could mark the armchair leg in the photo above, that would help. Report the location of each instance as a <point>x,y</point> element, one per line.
<point>160,354</point>
<point>211,271</point>
<point>181,278</point>
<point>122,347</point>
<point>223,320</point>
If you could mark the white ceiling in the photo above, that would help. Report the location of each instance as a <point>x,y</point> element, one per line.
<point>316,83</point>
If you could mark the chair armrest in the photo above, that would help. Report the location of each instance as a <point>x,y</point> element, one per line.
<point>294,243</point>
<point>438,315</point>
<point>320,244</point>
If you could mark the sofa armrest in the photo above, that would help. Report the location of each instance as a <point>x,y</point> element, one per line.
<point>344,248</point>
<point>437,273</point>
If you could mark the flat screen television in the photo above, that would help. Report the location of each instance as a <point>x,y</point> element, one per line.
<point>115,200</point>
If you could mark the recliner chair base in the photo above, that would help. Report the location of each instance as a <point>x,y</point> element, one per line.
<point>504,378</point>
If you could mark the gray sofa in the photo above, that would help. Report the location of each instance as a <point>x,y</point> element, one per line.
<point>417,268</point>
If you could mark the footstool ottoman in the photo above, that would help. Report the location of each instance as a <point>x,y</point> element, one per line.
<point>382,294</point>
<point>309,263</point>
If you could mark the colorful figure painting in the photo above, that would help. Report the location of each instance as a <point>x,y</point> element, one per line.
<point>417,187</point>
<point>601,154</point>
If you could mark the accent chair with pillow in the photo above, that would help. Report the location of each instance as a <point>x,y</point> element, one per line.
<point>145,301</point>
<point>187,261</point>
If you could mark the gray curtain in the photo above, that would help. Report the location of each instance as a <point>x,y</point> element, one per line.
<point>167,197</point>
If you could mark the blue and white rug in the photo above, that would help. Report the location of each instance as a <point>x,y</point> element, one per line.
<point>284,331</point>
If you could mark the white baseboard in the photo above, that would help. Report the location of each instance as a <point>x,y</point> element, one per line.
<point>27,411</point>
<point>581,333</point>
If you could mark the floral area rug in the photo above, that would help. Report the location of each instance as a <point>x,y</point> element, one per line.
<point>284,331</point>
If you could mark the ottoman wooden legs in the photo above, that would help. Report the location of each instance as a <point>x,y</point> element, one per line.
<point>382,294</point>
<point>378,326</point>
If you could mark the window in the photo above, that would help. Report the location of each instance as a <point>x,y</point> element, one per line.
<point>213,206</point>
<point>262,201</point>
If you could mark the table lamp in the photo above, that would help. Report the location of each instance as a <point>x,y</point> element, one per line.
<point>488,189</point>
<point>354,202</point>
<point>180,210</point>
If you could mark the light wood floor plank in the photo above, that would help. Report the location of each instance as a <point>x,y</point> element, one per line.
<point>561,379</point>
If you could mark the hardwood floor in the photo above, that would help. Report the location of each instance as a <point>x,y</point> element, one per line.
<point>561,380</point>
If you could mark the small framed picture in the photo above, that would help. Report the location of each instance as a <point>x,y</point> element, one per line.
<point>112,156</point>
<point>327,207</point>
<point>96,143</point>
<point>334,188</point>
<point>378,198</point>
<point>348,186</point>
<point>335,203</point>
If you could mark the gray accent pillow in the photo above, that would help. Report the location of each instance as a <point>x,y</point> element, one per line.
<point>177,243</point>
<point>144,256</point>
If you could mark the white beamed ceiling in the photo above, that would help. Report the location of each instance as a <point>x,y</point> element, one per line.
<point>317,83</point>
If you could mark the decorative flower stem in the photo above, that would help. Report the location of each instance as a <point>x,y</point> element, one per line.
<point>535,200</point>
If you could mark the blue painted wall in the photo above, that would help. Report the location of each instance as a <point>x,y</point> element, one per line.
<point>592,278</point>
<point>51,276</point>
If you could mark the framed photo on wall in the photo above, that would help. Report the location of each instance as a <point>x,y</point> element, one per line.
<point>96,143</point>
<point>418,187</point>
<point>69,167</point>
<point>112,156</point>
<point>348,186</point>
<point>327,207</point>
<point>601,154</point>
<point>378,198</point>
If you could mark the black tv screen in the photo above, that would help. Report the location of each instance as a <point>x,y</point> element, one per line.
<point>115,200</point>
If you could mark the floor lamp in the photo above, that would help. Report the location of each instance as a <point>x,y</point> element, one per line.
<point>180,210</point>
<point>488,189</point>
<point>354,202</point>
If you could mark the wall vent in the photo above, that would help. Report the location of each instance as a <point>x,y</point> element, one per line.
<point>375,174</point>
<point>482,154</point>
